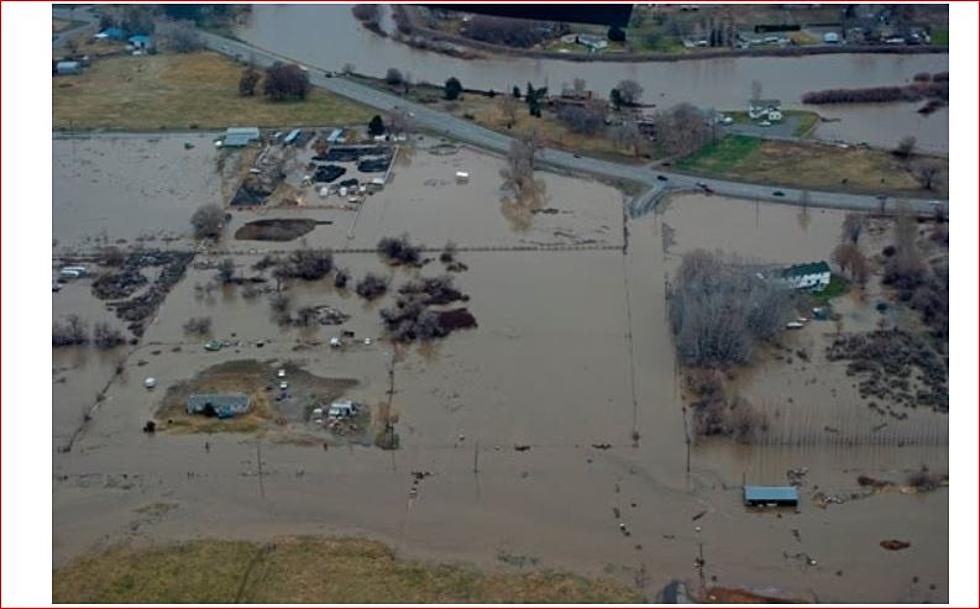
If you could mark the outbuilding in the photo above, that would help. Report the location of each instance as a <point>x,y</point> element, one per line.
<point>811,276</point>
<point>239,137</point>
<point>68,67</point>
<point>771,496</point>
<point>221,405</point>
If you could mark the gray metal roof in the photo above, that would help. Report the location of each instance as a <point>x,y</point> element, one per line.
<point>250,131</point>
<point>237,140</point>
<point>772,493</point>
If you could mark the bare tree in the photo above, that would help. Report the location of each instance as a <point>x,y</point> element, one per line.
<point>681,130</point>
<point>756,89</point>
<point>394,76</point>
<point>852,261</point>
<point>249,80</point>
<point>927,174</point>
<point>628,136</point>
<point>400,122</point>
<point>630,92</point>
<point>105,336</point>
<point>905,147</point>
<point>198,326</point>
<point>905,268</point>
<point>509,108</point>
<point>70,331</point>
<point>208,221</point>
<point>719,310</point>
<point>578,85</point>
<point>852,227</point>
<point>518,174</point>
<point>226,270</point>
<point>587,119</point>
<point>183,38</point>
<point>371,286</point>
<point>286,81</point>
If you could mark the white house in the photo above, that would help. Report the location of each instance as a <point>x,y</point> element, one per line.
<point>594,43</point>
<point>813,276</point>
<point>342,409</point>
<point>763,108</point>
<point>831,38</point>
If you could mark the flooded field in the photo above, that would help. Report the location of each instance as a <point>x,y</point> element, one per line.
<point>722,83</point>
<point>554,431</point>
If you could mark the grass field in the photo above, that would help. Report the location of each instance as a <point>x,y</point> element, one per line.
<point>194,91</point>
<point>940,37</point>
<point>307,570</point>
<point>810,165</point>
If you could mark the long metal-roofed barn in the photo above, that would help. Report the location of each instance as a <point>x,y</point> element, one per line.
<point>221,405</point>
<point>771,495</point>
<point>239,137</point>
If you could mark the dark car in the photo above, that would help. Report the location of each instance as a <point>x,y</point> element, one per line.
<point>779,193</point>
<point>662,178</point>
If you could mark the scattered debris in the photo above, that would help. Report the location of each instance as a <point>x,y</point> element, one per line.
<point>894,544</point>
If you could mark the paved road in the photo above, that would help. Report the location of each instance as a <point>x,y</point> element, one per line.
<point>466,131</point>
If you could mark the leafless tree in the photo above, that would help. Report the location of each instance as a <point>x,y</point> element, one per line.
<point>400,250</point>
<point>226,270</point>
<point>905,147</point>
<point>852,227</point>
<point>509,108</point>
<point>340,278</point>
<point>578,85</point>
<point>208,221</point>
<point>681,130</point>
<point>183,38</point>
<point>628,136</point>
<point>400,122</point>
<point>308,264</point>
<point>394,76</point>
<point>852,261</point>
<point>905,268</point>
<point>70,331</point>
<point>756,89</point>
<point>286,81</point>
<point>521,33</point>
<point>198,326</point>
<point>105,336</point>
<point>518,174</point>
<point>371,286</point>
<point>630,92</point>
<point>249,80</point>
<point>587,119</point>
<point>927,174</point>
<point>719,310</point>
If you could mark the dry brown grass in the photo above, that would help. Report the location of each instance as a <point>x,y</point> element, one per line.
<point>811,165</point>
<point>308,570</point>
<point>198,90</point>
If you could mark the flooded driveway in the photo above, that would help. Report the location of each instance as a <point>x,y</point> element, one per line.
<point>329,37</point>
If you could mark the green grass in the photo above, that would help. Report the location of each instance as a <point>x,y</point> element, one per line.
<point>197,90</point>
<point>940,37</point>
<point>838,286</point>
<point>308,570</point>
<point>721,156</point>
<point>808,120</point>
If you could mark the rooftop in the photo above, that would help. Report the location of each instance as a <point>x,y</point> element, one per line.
<point>772,494</point>
<point>223,404</point>
<point>807,268</point>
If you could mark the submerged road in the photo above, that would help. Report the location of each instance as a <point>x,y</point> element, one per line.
<point>466,131</point>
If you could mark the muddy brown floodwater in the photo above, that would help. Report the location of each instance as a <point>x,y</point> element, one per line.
<point>572,351</point>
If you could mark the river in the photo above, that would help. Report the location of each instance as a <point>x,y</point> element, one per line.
<point>329,37</point>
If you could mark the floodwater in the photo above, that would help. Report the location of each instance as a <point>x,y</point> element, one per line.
<point>113,187</point>
<point>572,350</point>
<point>329,37</point>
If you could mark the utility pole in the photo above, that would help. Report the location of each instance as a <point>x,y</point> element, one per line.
<point>476,458</point>
<point>258,458</point>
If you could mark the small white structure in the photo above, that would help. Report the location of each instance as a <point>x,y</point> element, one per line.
<point>282,373</point>
<point>335,342</point>
<point>775,116</point>
<point>68,67</point>
<point>831,38</point>
<point>593,43</point>
<point>284,385</point>
<point>149,382</point>
<point>462,176</point>
<point>342,409</point>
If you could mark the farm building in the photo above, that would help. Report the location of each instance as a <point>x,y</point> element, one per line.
<point>239,137</point>
<point>221,405</point>
<point>771,496</point>
<point>812,276</point>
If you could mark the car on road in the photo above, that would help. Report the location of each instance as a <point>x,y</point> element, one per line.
<point>778,193</point>
<point>704,186</point>
<point>662,178</point>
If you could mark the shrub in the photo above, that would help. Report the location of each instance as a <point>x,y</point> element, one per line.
<point>371,286</point>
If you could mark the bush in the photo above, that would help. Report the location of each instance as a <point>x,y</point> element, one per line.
<point>247,83</point>
<point>286,81</point>
<point>307,264</point>
<point>588,119</point>
<point>376,126</point>
<point>208,221</point>
<point>400,250</point>
<point>394,77</point>
<point>453,88</point>
<point>719,310</point>
<point>71,331</point>
<point>341,278</point>
<point>198,326</point>
<point>371,286</point>
<point>520,33</point>
<point>105,336</point>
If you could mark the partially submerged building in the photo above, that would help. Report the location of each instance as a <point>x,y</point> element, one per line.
<point>220,405</point>
<point>766,109</point>
<point>787,496</point>
<point>239,137</point>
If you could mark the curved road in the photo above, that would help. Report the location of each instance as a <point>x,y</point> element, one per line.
<point>456,128</point>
